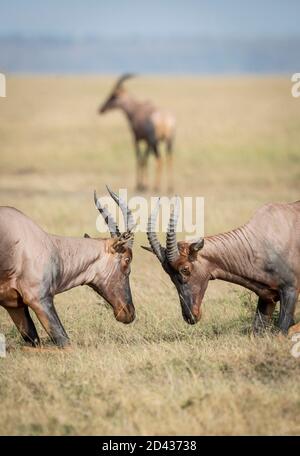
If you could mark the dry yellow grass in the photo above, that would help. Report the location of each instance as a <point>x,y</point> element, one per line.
<point>238,145</point>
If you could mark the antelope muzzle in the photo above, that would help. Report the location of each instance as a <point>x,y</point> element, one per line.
<point>124,310</point>
<point>190,308</point>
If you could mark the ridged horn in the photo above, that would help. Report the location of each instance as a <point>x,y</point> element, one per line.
<point>152,237</point>
<point>127,214</point>
<point>171,241</point>
<point>108,218</point>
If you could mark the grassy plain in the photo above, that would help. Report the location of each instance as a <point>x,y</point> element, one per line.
<point>238,145</point>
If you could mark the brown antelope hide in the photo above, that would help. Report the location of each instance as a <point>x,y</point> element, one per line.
<point>263,256</point>
<point>35,266</point>
<point>149,125</point>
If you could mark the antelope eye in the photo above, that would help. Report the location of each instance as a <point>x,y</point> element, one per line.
<point>185,270</point>
<point>127,260</point>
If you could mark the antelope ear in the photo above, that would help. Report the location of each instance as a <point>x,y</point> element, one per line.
<point>86,235</point>
<point>147,248</point>
<point>195,247</point>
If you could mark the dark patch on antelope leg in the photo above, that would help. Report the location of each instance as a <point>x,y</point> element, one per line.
<point>288,300</point>
<point>44,306</point>
<point>170,164</point>
<point>47,315</point>
<point>263,315</point>
<point>138,154</point>
<point>158,167</point>
<point>22,319</point>
<point>278,268</point>
<point>51,276</point>
<point>144,168</point>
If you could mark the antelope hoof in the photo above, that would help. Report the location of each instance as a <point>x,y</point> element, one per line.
<point>259,331</point>
<point>281,337</point>
<point>261,324</point>
<point>44,348</point>
<point>295,329</point>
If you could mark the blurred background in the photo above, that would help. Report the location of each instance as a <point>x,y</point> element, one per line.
<point>223,69</point>
<point>170,37</point>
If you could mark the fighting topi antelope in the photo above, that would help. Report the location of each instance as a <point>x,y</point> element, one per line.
<point>263,256</point>
<point>35,266</point>
<point>147,124</point>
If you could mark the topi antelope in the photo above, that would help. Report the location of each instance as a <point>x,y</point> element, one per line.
<point>35,266</point>
<point>262,255</point>
<point>147,124</point>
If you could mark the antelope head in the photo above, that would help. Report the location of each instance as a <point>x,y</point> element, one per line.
<point>111,275</point>
<point>179,260</point>
<point>114,100</point>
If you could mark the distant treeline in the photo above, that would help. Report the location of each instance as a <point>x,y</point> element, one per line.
<point>192,55</point>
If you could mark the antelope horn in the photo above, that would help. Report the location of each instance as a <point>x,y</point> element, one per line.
<point>127,214</point>
<point>113,227</point>
<point>122,79</point>
<point>171,247</point>
<point>128,238</point>
<point>152,237</point>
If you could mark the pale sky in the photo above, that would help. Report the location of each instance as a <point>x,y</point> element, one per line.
<point>214,18</point>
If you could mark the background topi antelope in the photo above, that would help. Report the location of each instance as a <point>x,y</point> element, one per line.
<point>263,256</point>
<point>147,124</point>
<point>35,266</point>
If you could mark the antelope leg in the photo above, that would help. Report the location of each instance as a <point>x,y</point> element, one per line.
<point>22,319</point>
<point>144,168</point>
<point>138,155</point>
<point>170,165</point>
<point>158,167</point>
<point>264,312</point>
<point>288,300</point>
<point>46,313</point>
